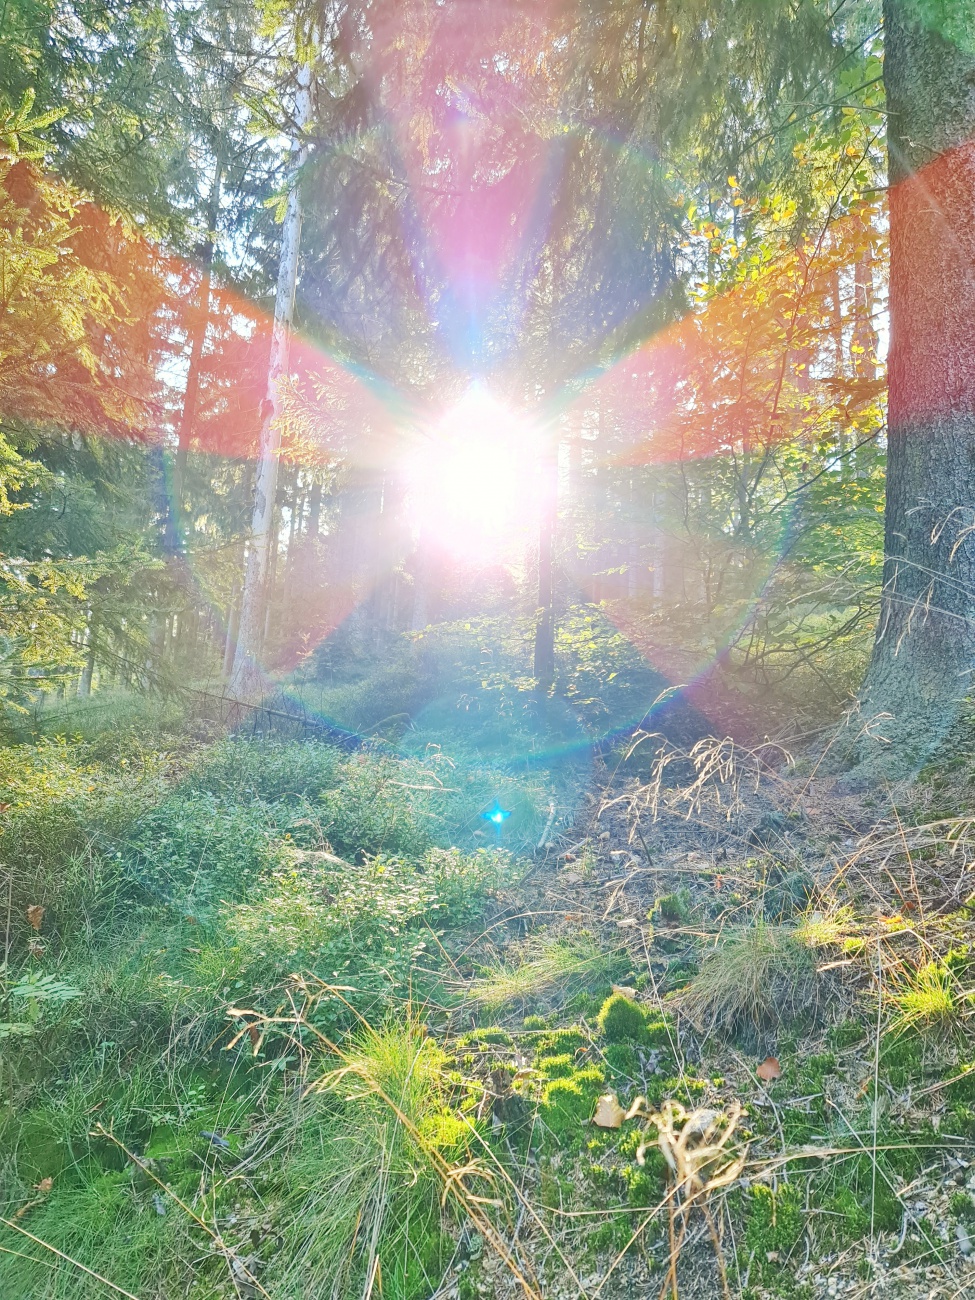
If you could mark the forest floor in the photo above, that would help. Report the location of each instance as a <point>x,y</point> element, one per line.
<point>274,1022</point>
<point>847,1056</point>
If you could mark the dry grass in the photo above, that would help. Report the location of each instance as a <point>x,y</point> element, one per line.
<point>551,965</point>
<point>754,979</point>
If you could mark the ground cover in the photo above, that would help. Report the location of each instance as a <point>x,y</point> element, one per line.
<point>280,1019</point>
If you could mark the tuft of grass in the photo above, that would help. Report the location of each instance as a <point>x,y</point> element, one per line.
<point>363,1195</point>
<point>549,966</point>
<point>756,979</point>
<point>929,997</point>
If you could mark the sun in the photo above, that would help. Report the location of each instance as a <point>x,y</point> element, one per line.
<point>472,480</point>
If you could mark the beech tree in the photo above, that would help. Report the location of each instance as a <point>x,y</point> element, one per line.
<point>924,652</point>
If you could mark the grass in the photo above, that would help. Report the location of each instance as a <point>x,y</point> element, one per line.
<point>549,968</point>
<point>178,879</point>
<point>757,978</point>
<point>363,1192</point>
<point>323,893</point>
<point>929,997</point>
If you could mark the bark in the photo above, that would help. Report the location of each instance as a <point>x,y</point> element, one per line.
<point>544,659</point>
<point>315,510</point>
<point>88,668</point>
<point>246,680</point>
<point>200,325</point>
<point>924,651</point>
<point>233,619</point>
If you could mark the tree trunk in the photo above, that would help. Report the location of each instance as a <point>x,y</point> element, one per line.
<point>88,668</point>
<point>315,510</point>
<point>924,651</point>
<point>246,680</point>
<point>233,619</point>
<point>198,333</point>
<point>544,666</point>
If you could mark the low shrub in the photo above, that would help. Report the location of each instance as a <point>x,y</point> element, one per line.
<point>267,770</point>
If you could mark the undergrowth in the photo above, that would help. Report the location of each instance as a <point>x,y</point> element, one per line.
<point>277,1019</point>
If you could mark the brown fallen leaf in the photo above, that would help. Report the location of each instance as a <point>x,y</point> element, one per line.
<point>254,1034</point>
<point>35,915</point>
<point>609,1112</point>
<point>44,1186</point>
<point>769,1070</point>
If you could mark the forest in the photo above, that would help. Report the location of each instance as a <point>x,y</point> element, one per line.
<point>487,624</point>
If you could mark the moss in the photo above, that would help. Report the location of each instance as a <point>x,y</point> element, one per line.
<point>492,1035</point>
<point>622,1020</point>
<point>961,1088</point>
<point>622,1060</point>
<point>586,1003</point>
<point>902,1058</point>
<point>679,973</point>
<point>612,1235</point>
<point>674,908</point>
<point>556,1067</point>
<point>561,1040</point>
<point>534,1022</point>
<point>819,1065</point>
<point>845,1220</point>
<point>962,1206</point>
<point>645,1187</point>
<point>659,1033</point>
<point>961,1122</point>
<point>774,1224</point>
<point>568,1104</point>
<point>857,1189</point>
<point>846,1033</point>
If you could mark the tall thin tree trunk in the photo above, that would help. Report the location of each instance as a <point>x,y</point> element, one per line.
<point>88,668</point>
<point>233,621</point>
<point>246,677</point>
<point>924,653</point>
<point>191,397</point>
<point>315,510</point>
<point>544,665</point>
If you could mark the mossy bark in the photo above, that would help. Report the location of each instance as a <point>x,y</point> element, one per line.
<point>924,652</point>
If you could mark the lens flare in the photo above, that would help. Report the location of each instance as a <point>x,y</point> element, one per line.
<point>471,481</point>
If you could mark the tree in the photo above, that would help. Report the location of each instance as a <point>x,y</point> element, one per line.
<point>924,652</point>
<point>246,677</point>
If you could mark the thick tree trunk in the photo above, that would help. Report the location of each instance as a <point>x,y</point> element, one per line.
<point>924,652</point>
